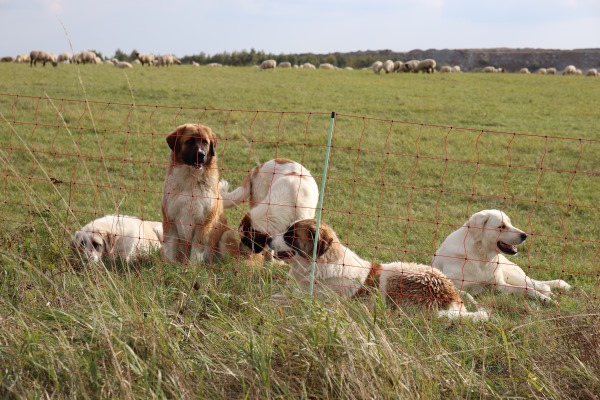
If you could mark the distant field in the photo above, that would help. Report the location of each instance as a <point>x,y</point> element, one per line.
<point>413,156</point>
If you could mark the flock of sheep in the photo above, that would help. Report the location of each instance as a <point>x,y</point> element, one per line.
<point>426,66</point>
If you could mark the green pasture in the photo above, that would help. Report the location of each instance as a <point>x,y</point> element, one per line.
<point>413,156</point>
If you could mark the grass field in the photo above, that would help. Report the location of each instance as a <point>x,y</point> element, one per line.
<point>413,156</point>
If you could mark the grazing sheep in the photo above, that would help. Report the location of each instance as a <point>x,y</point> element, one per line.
<point>43,56</point>
<point>7,59</point>
<point>87,57</point>
<point>285,64</point>
<point>308,66</point>
<point>166,60</point>
<point>398,66</point>
<point>542,71</point>
<point>122,64</point>
<point>268,64</point>
<point>524,71</point>
<point>569,70</point>
<point>551,71</point>
<point>388,66</point>
<point>456,68</point>
<point>445,69</point>
<point>410,66</point>
<point>326,66</point>
<point>214,65</point>
<point>22,58</point>
<point>489,70</point>
<point>578,72</point>
<point>65,57</point>
<point>145,58</point>
<point>376,66</point>
<point>348,69</point>
<point>427,66</point>
<point>592,72</point>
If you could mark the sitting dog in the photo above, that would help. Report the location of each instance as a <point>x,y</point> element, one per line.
<point>280,191</point>
<point>344,272</point>
<point>191,204</point>
<point>473,258</point>
<point>117,236</point>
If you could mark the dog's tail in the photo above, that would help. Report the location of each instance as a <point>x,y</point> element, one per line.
<point>240,194</point>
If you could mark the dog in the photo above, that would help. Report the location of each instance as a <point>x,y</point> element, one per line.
<point>341,270</point>
<point>117,236</point>
<point>226,243</point>
<point>473,258</point>
<point>281,191</point>
<point>191,204</point>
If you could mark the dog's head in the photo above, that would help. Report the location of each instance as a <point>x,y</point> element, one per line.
<point>253,239</point>
<point>193,145</point>
<point>92,244</point>
<point>493,229</point>
<point>298,240</point>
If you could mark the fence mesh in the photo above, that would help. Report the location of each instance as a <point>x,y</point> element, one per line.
<point>394,190</point>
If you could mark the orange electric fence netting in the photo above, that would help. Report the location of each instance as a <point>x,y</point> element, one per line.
<point>394,190</point>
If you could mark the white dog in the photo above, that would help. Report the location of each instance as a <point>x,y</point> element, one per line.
<point>341,270</point>
<point>280,191</point>
<point>115,236</point>
<point>472,257</point>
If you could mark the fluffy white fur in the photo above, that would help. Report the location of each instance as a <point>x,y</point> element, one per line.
<point>472,257</point>
<point>117,236</point>
<point>342,271</point>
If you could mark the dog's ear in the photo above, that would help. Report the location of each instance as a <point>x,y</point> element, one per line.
<point>324,242</point>
<point>213,144</point>
<point>476,224</point>
<point>172,139</point>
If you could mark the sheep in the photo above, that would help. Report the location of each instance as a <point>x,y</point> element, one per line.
<point>348,69</point>
<point>98,60</point>
<point>524,71</point>
<point>445,69</point>
<point>65,57</point>
<point>195,64</point>
<point>7,59</point>
<point>87,57</point>
<point>569,70</point>
<point>456,68</point>
<point>268,64</point>
<point>166,60</point>
<point>489,70</point>
<point>398,66</point>
<point>578,72</point>
<point>308,65</point>
<point>592,72</point>
<point>285,64</point>
<point>410,66</point>
<point>326,66</point>
<point>542,71</point>
<point>376,66</point>
<point>500,70</point>
<point>388,66</point>
<point>145,58</point>
<point>122,64</point>
<point>214,65</point>
<point>22,58</point>
<point>427,66</point>
<point>43,56</point>
<point>551,71</point>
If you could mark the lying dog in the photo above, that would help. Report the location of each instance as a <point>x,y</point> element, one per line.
<point>280,191</point>
<point>226,243</point>
<point>192,203</point>
<point>341,270</point>
<point>117,236</point>
<point>472,257</point>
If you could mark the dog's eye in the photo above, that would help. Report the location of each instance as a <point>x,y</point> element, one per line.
<point>96,245</point>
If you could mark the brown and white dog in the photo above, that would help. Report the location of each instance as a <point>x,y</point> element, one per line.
<point>117,236</point>
<point>341,270</point>
<point>191,204</point>
<point>473,258</point>
<point>281,191</point>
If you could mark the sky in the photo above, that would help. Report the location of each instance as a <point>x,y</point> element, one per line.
<point>187,27</point>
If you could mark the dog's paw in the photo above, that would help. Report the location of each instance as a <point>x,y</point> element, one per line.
<point>562,285</point>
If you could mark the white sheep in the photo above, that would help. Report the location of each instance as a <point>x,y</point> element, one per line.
<point>167,60</point>
<point>214,65</point>
<point>376,66</point>
<point>43,56</point>
<point>268,64</point>
<point>326,66</point>
<point>22,58</point>
<point>578,72</point>
<point>388,66</point>
<point>122,64</point>
<point>489,70</point>
<point>308,65</point>
<point>551,71</point>
<point>348,69</point>
<point>456,68</point>
<point>195,64</point>
<point>398,66</point>
<point>542,71</point>
<point>569,70</point>
<point>427,66</point>
<point>445,69</point>
<point>145,58</point>
<point>410,66</point>
<point>524,71</point>
<point>285,64</point>
<point>87,57</point>
<point>592,72</point>
<point>65,57</point>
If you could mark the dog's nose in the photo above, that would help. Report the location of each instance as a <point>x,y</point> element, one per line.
<point>523,236</point>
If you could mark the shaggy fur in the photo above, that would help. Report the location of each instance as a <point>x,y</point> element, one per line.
<point>341,270</point>
<point>117,236</point>
<point>192,204</point>
<point>473,258</point>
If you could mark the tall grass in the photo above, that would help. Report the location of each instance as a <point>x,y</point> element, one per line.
<point>395,190</point>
